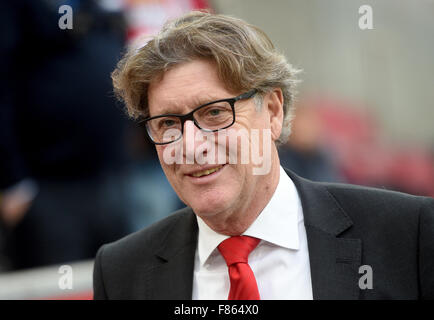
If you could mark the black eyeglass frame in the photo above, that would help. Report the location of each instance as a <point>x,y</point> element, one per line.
<point>189,116</point>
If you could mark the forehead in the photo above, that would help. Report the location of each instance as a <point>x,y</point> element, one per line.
<point>184,87</point>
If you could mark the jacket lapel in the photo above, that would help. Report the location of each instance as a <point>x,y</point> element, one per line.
<point>172,276</point>
<point>334,260</point>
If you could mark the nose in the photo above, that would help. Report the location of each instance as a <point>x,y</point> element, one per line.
<point>189,131</point>
<point>189,141</point>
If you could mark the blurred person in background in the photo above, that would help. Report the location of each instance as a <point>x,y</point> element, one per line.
<point>305,153</point>
<point>61,134</point>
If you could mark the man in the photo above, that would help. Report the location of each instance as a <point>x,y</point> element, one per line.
<point>251,229</point>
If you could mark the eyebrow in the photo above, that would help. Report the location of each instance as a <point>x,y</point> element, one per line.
<point>196,102</point>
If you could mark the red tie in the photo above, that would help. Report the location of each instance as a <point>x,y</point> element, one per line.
<point>235,251</point>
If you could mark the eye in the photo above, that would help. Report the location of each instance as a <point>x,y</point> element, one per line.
<point>165,123</point>
<point>214,112</point>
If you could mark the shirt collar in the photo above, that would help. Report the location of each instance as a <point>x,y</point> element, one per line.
<point>276,224</point>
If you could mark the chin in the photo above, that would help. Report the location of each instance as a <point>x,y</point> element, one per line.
<point>211,205</point>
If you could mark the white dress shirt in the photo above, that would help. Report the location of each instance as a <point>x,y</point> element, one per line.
<point>280,262</point>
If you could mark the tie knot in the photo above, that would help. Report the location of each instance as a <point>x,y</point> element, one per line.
<point>237,249</point>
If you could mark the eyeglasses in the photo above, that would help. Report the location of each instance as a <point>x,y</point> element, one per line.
<point>210,117</point>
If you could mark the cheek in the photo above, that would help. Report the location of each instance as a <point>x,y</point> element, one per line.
<point>167,168</point>
<point>256,120</point>
<point>263,120</point>
<point>242,143</point>
<point>167,153</point>
<point>160,152</point>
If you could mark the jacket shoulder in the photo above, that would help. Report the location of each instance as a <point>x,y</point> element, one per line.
<point>121,267</point>
<point>390,212</point>
<point>357,197</point>
<point>145,241</point>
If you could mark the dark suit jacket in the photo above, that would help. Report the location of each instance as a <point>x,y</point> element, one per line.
<point>347,227</point>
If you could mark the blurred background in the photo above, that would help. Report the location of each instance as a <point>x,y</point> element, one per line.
<point>76,173</point>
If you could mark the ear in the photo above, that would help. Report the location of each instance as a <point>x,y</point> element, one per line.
<point>274,103</point>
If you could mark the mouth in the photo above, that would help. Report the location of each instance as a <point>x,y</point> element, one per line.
<point>206,172</point>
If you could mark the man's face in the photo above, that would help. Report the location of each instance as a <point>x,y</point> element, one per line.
<point>234,185</point>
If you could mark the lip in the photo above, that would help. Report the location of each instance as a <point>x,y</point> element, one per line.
<point>204,167</point>
<point>205,179</point>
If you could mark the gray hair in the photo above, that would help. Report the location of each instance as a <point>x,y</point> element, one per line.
<point>244,55</point>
